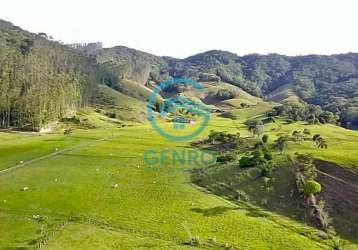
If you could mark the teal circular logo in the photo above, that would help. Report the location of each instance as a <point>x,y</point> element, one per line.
<point>179,110</point>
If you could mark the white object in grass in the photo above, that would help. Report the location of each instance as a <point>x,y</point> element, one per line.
<point>115,185</point>
<point>25,188</point>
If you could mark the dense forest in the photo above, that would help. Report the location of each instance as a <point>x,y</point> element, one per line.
<point>328,81</point>
<point>40,80</point>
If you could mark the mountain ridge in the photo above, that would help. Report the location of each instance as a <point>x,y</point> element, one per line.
<point>330,81</point>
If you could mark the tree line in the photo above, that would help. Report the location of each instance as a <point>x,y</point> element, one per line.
<point>40,80</point>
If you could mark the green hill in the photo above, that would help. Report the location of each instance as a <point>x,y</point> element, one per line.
<point>337,170</point>
<point>40,80</point>
<point>71,201</point>
<point>286,175</point>
<point>118,105</point>
<point>283,94</point>
<point>328,81</point>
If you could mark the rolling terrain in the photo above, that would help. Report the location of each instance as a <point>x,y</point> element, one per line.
<point>72,192</point>
<point>71,178</point>
<point>74,136</point>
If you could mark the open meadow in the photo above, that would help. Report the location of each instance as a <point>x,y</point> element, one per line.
<point>93,190</point>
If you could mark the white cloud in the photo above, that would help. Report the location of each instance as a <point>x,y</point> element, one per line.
<point>184,27</point>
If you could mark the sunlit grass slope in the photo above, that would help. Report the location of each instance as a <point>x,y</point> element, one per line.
<point>81,207</point>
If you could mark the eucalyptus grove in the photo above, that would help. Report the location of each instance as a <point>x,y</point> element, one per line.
<point>40,80</point>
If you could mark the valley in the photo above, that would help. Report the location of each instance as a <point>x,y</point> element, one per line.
<point>78,207</point>
<point>96,154</point>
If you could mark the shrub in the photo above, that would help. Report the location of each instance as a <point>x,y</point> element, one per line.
<point>297,136</point>
<point>268,156</point>
<point>319,141</point>
<point>259,130</point>
<point>244,105</point>
<point>221,137</point>
<point>280,143</point>
<point>68,131</point>
<point>194,241</point>
<point>242,196</point>
<point>224,94</point>
<point>311,187</point>
<point>315,137</point>
<point>259,145</point>
<point>313,114</point>
<point>111,114</point>
<point>246,162</point>
<point>257,158</point>
<point>265,138</point>
<point>268,119</point>
<point>251,124</point>
<point>322,215</point>
<point>228,157</point>
<point>305,165</point>
<point>266,169</point>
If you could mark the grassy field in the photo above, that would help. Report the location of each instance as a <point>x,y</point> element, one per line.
<point>284,94</point>
<point>207,96</point>
<point>241,115</point>
<point>124,107</point>
<point>98,193</point>
<point>342,143</point>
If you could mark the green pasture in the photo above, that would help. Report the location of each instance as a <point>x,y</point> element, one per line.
<point>98,193</point>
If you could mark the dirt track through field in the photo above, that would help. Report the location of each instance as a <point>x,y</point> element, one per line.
<point>47,156</point>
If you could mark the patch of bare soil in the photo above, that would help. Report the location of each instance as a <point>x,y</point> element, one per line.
<point>340,192</point>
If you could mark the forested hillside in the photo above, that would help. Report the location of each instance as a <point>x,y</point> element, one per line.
<point>82,166</point>
<point>40,80</point>
<point>328,81</point>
